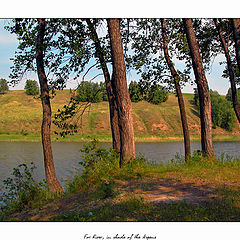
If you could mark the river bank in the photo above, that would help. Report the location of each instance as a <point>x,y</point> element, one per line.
<point>199,191</point>
<point>108,139</point>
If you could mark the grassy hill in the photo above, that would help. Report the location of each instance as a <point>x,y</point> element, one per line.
<point>20,119</point>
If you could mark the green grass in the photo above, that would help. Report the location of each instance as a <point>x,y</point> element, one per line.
<point>21,113</point>
<point>103,192</point>
<point>137,210</point>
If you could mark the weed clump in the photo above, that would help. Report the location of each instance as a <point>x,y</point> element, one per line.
<point>100,168</point>
<point>21,191</point>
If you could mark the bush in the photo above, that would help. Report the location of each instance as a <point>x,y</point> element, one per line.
<point>100,167</point>
<point>31,87</point>
<point>21,190</point>
<point>89,92</point>
<point>3,86</point>
<point>157,94</point>
<point>229,95</point>
<point>222,112</point>
<point>135,92</point>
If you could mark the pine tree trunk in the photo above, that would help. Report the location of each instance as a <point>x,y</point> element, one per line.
<point>124,105</point>
<point>178,91</point>
<point>230,71</point>
<point>53,184</point>
<point>108,83</point>
<point>203,90</point>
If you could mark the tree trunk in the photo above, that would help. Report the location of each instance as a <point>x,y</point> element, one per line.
<point>203,90</point>
<point>230,71</point>
<point>236,35</point>
<point>178,91</point>
<point>108,83</point>
<point>51,178</point>
<point>124,105</point>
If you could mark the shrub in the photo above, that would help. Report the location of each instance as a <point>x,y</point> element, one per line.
<point>157,94</point>
<point>135,92</point>
<point>21,190</point>
<point>3,86</point>
<point>100,167</point>
<point>89,92</point>
<point>31,87</point>
<point>222,112</point>
<point>229,95</point>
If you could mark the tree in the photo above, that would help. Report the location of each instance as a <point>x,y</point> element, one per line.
<point>135,92</point>
<point>100,54</point>
<point>124,107</point>
<point>89,92</point>
<point>229,95</point>
<point>157,94</point>
<point>50,46</point>
<point>54,185</point>
<point>31,87</point>
<point>204,93</point>
<point>236,35</point>
<point>176,79</point>
<point>222,111</point>
<point>230,70</point>
<point>3,86</point>
<point>153,44</point>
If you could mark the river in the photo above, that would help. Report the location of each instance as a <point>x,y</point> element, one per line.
<point>67,155</point>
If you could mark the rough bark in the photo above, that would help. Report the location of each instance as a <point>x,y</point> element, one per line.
<point>124,105</point>
<point>203,90</point>
<point>230,70</point>
<point>178,91</point>
<point>53,184</point>
<point>108,83</point>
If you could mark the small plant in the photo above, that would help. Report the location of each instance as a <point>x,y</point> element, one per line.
<point>21,190</point>
<point>105,189</point>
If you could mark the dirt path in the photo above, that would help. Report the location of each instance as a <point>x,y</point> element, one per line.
<point>155,190</point>
<point>165,191</point>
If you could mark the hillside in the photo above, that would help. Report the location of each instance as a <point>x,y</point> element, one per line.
<point>20,119</point>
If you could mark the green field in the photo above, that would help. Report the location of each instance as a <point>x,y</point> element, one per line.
<point>20,120</point>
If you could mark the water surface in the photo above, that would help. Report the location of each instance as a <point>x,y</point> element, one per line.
<point>67,155</point>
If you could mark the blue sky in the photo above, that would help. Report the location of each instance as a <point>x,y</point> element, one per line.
<point>9,43</point>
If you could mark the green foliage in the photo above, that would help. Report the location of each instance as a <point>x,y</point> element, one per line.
<point>131,208</point>
<point>3,86</point>
<point>100,167</point>
<point>153,93</point>
<point>157,94</point>
<point>222,111</point>
<point>135,92</point>
<point>103,91</point>
<point>22,191</point>
<point>31,87</point>
<point>196,97</point>
<point>90,92</point>
<point>229,95</point>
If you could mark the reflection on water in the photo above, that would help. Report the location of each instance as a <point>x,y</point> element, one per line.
<point>67,155</point>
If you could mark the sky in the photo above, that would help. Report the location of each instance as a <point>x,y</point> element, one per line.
<point>9,43</point>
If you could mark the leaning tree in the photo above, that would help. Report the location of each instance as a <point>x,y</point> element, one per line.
<point>49,47</point>
<point>203,90</point>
